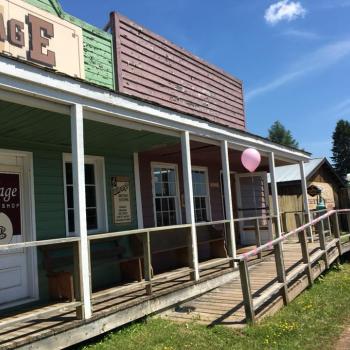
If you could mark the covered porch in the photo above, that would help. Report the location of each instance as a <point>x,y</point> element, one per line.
<point>126,208</point>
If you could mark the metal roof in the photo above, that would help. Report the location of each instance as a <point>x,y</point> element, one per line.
<point>289,173</point>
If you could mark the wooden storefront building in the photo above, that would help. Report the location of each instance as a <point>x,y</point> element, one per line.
<point>120,168</point>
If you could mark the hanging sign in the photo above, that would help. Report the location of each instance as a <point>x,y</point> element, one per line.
<point>10,207</point>
<point>34,35</point>
<point>121,200</point>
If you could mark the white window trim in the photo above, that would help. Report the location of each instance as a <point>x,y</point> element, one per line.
<point>177,204</point>
<point>208,200</point>
<point>101,201</point>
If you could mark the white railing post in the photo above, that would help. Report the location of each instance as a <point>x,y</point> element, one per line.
<point>78,165</point>
<point>274,192</point>
<point>226,175</point>
<point>189,204</point>
<point>306,208</point>
<point>138,191</point>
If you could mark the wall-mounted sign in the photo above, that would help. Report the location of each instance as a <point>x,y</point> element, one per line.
<point>31,34</point>
<point>314,191</point>
<point>121,200</point>
<point>10,207</point>
<point>327,194</point>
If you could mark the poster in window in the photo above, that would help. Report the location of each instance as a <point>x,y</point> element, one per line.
<point>121,200</point>
<point>10,207</point>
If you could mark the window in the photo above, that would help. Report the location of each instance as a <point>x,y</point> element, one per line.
<point>165,195</point>
<point>201,194</point>
<point>94,192</point>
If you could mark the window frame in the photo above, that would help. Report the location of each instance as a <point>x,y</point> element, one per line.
<point>177,189</point>
<point>207,200</point>
<point>101,197</point>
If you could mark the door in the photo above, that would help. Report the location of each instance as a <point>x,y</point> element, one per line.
<point>253,201</point>
<point>14,266</point>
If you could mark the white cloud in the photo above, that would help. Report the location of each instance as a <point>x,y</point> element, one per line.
<point>284,10</point>
<point>322,58</point>
<point>301,34</point>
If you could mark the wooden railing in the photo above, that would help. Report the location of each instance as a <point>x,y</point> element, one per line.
<point>147,278</point>
<point>144,260</point>
<point>251,304</point>
<point>76,298</point>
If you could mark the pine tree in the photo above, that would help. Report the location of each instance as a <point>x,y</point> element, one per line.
<point>279,134</point>
<point>341,148</point>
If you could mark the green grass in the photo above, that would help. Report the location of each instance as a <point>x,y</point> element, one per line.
<point>313,321</point>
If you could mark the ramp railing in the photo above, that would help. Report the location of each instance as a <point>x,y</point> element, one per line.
<point>329,235</point>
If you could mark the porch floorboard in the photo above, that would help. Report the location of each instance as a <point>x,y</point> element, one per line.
<point>220,302</point>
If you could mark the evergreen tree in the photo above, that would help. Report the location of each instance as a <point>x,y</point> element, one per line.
<point>279,134</point>
<point>341,148</point>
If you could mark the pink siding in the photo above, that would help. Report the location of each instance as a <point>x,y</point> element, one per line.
<point>148,66</point>
<point>173,155</point>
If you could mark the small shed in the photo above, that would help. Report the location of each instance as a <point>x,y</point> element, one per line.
<point>319,174</point>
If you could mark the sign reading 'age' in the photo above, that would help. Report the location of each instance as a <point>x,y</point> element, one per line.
<point>40,33</point>
<point>29,33</point>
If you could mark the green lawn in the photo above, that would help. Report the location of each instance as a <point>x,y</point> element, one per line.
<point>313,321</point>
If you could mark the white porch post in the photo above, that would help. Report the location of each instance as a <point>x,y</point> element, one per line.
<point>306,208</point>
<point>274,192</point>
<point>228,196</point>
<point>138,191</point>
<point>188,189</point>
<point>78,165</point>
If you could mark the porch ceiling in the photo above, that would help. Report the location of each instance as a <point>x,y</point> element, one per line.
<point>202,153</point>
<point>24,124</point>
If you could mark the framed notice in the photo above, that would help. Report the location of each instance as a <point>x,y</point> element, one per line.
<point>121,200</point>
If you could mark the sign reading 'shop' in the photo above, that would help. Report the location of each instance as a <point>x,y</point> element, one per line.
<point>34,35</point>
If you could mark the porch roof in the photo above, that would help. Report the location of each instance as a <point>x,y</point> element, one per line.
<point>29,85</point>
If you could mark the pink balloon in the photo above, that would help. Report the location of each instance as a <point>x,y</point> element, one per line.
<point>251,159</point>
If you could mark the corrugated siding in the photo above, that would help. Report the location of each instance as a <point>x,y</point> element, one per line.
<point>152,68</point>
<point>98,46</point>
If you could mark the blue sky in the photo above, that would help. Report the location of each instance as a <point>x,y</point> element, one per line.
<point>293,56</point>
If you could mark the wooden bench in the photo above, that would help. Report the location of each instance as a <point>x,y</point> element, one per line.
<point>59,268</point>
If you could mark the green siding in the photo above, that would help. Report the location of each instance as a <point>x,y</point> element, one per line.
<point>98,59</point>
<point>47,136</point>
<point>51,6</point>
<point>98,46</point>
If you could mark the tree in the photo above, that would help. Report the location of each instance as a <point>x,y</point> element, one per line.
<point>279,134</point>
<point>341,148</point>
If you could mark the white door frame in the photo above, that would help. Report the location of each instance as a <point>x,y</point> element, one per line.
<point>28,210</point>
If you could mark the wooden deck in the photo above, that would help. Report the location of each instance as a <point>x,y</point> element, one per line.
<point>44,324</point>
<point>220,302</point>
<point>224,305</point>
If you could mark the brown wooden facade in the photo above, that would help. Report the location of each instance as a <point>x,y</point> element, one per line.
<point>150,67</point>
